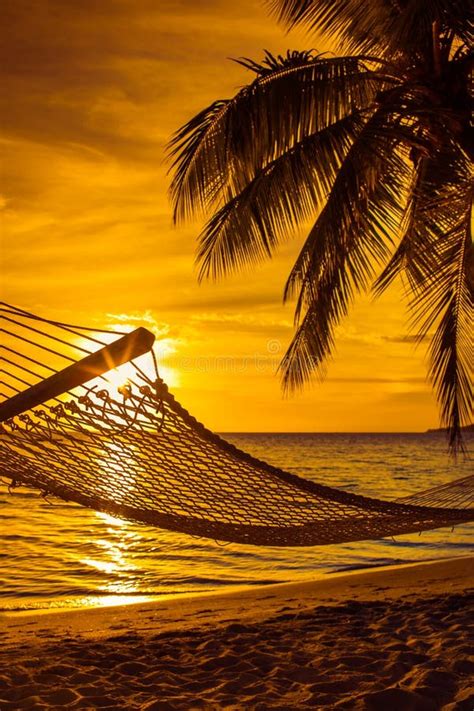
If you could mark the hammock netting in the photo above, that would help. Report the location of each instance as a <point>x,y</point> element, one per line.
<point>134,452</point>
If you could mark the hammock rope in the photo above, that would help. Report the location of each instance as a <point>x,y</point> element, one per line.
<point>134,452</point>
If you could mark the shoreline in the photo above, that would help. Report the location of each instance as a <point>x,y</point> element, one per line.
<point>229,590</point>
<point>367,584</point>
<point>390,638</point>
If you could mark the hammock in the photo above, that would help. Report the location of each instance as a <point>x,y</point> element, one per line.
<point>136,453</point>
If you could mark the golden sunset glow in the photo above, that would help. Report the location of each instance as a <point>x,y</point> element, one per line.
<point>205,420</point>
<point>92,93</point>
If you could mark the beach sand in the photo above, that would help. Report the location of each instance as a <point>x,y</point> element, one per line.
<point>391,639</point>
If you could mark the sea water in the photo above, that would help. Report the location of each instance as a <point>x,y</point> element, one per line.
<point>56,554</point>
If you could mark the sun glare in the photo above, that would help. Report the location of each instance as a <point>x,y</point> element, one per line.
<point>127,375</point>
<point>111,520</point>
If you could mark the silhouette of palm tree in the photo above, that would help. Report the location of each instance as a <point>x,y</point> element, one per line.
<point>376,147</point>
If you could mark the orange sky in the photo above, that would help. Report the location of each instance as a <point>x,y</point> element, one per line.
<point>91,93</point>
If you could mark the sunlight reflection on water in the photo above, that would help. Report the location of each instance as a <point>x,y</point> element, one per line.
<point>65,555</point>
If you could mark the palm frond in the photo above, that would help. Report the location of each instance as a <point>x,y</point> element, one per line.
<point>410,248</point>
<point>381,27</point>
<point>373,167</point>
<point>433,175</point>
<point>442,286</point>
<point>356,25</point>
<point>350,236</point>
<point>275,62</point>
<point>219,151</point>
<point>435,259</point>
<point>284,193</point>
<point>313,341</point>
<point>410,29</point>
<point>199,170</point>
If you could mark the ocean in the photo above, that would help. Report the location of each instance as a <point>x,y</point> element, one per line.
<point>56,554</point>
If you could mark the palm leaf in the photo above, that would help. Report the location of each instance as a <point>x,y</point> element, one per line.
<point>410,248</point>
<point>345,215</point>
<point>194,163</point>
<point>356,25</point>
<point>442,288</point>
<point>350,236</point>
<point>383,27</point>
<point>219,151</point>
<point>284,193</point>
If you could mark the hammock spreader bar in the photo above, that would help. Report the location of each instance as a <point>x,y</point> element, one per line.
<point>123,350</point>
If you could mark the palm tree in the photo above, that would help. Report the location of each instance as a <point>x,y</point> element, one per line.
<point>375,147</point>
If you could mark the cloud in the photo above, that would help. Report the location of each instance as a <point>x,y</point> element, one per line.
<point>355,379</point>
<point>118,77</point>
<point>145,318</point>
<point>415,398</point>
<point>406,338</point>
<point>231,322</point>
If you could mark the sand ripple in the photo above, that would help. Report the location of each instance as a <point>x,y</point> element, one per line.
<point>393,655</point>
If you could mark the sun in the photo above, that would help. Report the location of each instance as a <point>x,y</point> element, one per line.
<point>127,374</point>
<point>132,372</point>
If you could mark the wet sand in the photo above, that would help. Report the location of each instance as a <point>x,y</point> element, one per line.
<point>390,639</point>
